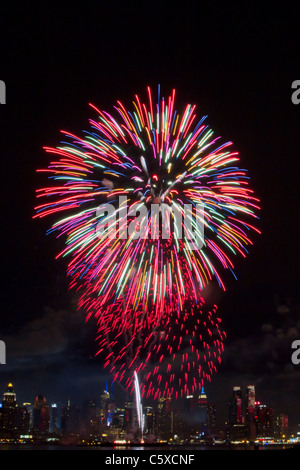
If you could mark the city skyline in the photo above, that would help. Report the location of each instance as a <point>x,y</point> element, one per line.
<point>104,422</point>
<point>242,398</point>
<point>86,371</point>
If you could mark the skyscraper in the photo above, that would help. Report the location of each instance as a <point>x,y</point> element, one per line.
<point>165,419</point>
<point>237,406</point>
<point>41,415</point>
<point>150,420</point>
<point>282,424</point>
<point>29,407</point>
<point>263,420</point>
<point>8,412</point>
<point>237,428</point>
<point>70,420</point>
<point>9,397</point>
<point>250,411</point>
<point>14,420</point>
<point>202,409</point>
<point>250,403</point>
<point>212,418</point>
<point>53,427</point>
<point>107,406</point>
<point>130,418</point>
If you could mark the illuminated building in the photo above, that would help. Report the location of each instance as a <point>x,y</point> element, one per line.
<point>250,411</point>
<point>111,409</point>
<point>8,412</point>
<point>178,424</point>
<point>282,425</point>
<point>165,419</point>
<point>237,406</point>
<point>211,417</point>
<point>9,397</point>
<point>242,414</point>
<point>129,416</point>
<point>202,409</point>
<point>108,407</point>
<point>237,429</point>
<point>14,420</point>
<point>41,415</point>
<point>29,408</point>
<point>263,420</point>
<point>70,420</point>
<point>150,420</point>
<point>91,418</point>
<point>195,415</point>
<point>250,403</point>
<point>53,427</point>
<point>190,404</point>
<point>118,417</point>
<point>22,421</point>
<point>104,407</point>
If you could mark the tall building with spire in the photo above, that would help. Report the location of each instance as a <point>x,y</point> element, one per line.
<point>8,412</point>
<point>202,408</point>
<point>9,397</point>
<point>196,415</point>
<point>14,420</point>
<point>107,406</point>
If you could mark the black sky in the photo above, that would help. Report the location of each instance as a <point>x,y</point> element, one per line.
<point>237,64</point>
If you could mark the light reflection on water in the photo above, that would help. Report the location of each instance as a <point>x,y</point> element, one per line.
<point>128,449</point>
<point>95,447</point>
<point>157,449</point>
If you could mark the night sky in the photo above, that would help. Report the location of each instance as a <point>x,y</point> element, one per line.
<point>237,64</point>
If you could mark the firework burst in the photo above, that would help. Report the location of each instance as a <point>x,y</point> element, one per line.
<point>173,357</point>
<point>132,159</point>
